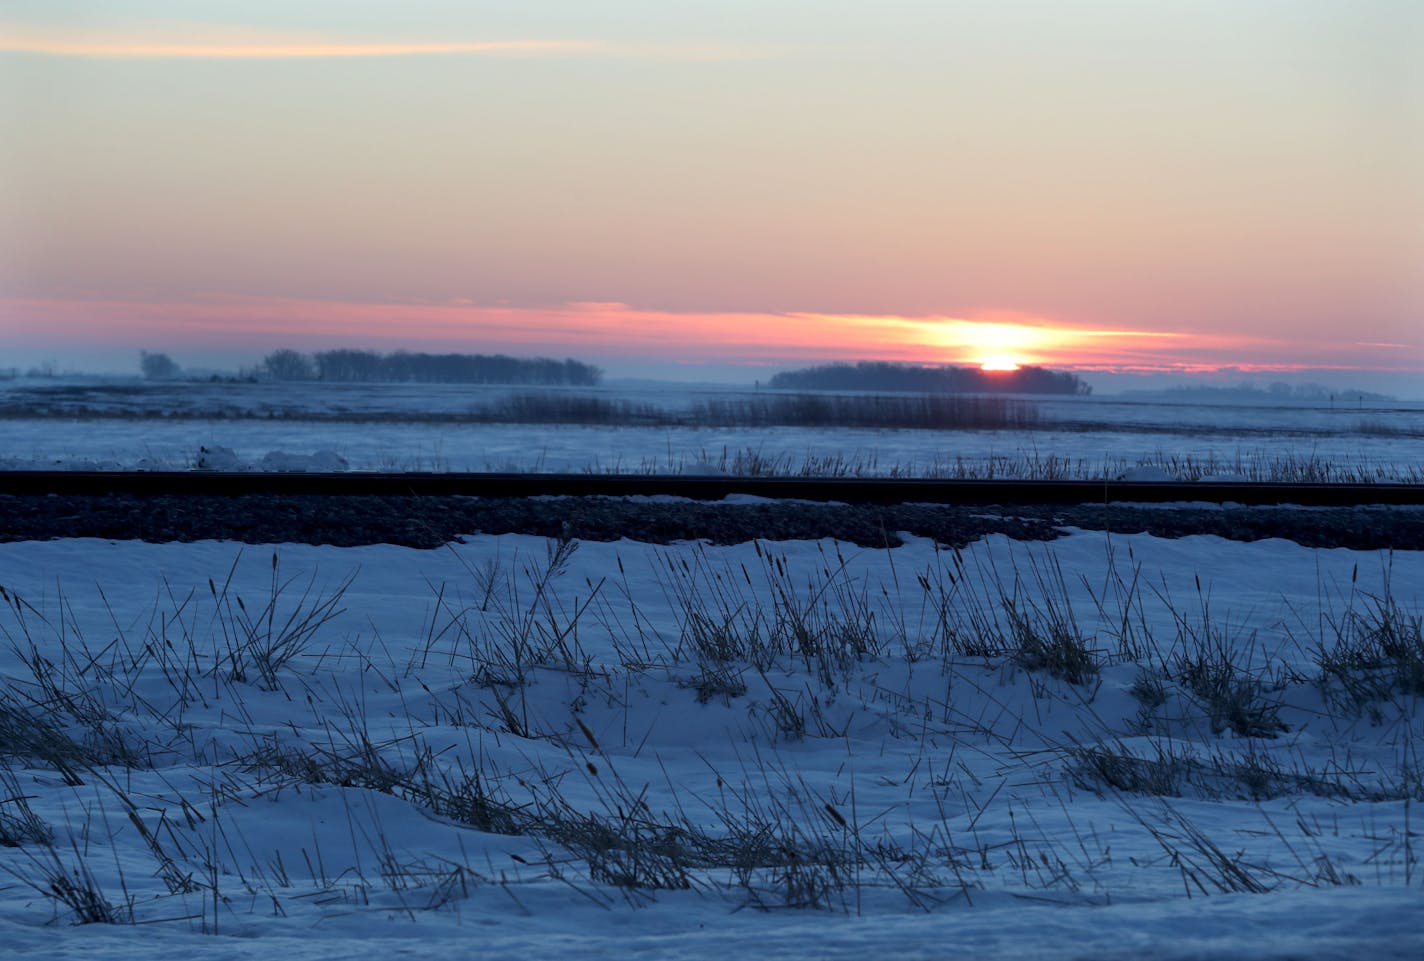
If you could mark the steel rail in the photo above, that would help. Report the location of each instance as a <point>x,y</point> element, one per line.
<point>846,490</point>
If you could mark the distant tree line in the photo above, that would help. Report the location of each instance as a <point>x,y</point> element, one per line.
<point>368,366</point>
<point>885,376</point>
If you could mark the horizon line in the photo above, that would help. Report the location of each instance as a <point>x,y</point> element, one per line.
<point>603,330</point>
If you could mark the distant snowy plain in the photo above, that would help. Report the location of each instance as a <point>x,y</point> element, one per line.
<point>107,424</point>
<point>1106,746</point>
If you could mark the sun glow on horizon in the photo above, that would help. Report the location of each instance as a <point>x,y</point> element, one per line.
<point>997,345</point>
<point>608,331</point>
<point>1001,363</point>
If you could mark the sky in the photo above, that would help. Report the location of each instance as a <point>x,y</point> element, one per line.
<point>690,190</point>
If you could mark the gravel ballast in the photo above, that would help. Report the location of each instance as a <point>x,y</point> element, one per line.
<point>431,522</point>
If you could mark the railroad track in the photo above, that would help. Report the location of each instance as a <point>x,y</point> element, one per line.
<point>843,490</point>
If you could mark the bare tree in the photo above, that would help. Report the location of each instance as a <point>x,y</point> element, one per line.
<point>289,365</point>
<point>157,366</point>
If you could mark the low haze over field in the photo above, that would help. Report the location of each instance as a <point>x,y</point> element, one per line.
<point>701,190</point>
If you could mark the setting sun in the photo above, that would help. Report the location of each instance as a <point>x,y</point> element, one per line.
<point>996,345</point>
<point>1003,363</point>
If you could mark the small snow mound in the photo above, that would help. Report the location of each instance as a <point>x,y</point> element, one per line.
<point>329,460</point>
<point>1226,478</point>
<point>1145,473</point>
<point>747,499</point>
<point>323,461</point>
<point>219,458</point>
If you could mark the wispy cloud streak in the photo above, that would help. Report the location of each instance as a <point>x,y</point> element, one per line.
<point>250,45</point>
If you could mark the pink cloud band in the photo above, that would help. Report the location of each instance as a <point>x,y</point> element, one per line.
<point>604,330</point>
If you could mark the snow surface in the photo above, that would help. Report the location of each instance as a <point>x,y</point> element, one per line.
<point>165,426</point>
<point>929,807</point>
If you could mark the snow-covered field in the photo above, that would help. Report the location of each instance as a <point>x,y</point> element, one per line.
<point>164,426</point>
<point>114,445</point>
<point>1107,747</point>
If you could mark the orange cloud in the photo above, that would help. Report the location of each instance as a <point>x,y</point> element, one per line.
<point>180,41</point>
